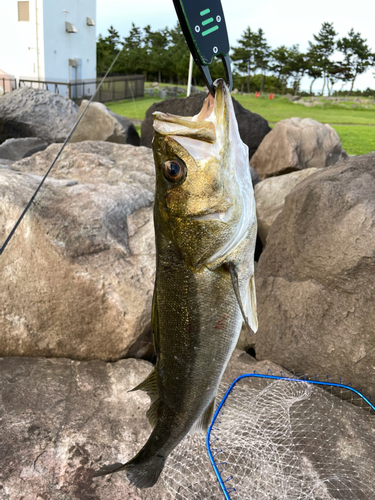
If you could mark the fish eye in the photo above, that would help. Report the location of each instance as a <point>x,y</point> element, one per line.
<point>174,171</point>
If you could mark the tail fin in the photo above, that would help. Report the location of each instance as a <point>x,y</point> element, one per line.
<point>141,472</point>
<point>146,474</point>
<point>108,469</point>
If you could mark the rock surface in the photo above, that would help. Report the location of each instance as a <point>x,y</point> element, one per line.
<point>5,163</point>
<point>296,144</point>
<point>28,112</point>
<point>254,176</point>
<point>16,149</point>
<point>270,196</point>
<point>253,128</point>
<point>62,420</point>
<point>101,124</point>
<point>77,278</point>
<point>316,277</point>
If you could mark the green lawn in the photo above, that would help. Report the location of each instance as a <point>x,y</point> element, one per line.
<point>134,109</point>
<point>280,108</point>
<point>355,137</point>
<point>356,140</point>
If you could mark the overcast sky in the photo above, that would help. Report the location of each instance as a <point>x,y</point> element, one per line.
<point>284,22</point>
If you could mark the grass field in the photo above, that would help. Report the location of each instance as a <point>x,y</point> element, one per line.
<point>133,109</point>
<point>355,126</point>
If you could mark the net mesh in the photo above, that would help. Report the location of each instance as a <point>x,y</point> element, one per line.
<point>280,440</point>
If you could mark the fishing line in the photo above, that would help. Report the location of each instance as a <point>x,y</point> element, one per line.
<point>57,156</point>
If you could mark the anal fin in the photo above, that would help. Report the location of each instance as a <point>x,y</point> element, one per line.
<point>153,411</point>
<point>204,421</point>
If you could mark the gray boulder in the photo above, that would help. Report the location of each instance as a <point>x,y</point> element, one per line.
<point>62,420</point>
<point>16,149</point>
<point>28,112</point>
<point>253,128</point>
<point>101,124</point>
<point>296,144</point>
<point>77,278</point>
<point>316,277</point>
<point>254,176</point>
<point>270,195</point>
<point>5,163</point>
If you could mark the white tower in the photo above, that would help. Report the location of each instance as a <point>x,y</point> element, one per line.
<point>48,40</point>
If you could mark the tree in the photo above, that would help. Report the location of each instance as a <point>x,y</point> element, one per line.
<point>253,53</point>
<point>243,56</point>
<point>324,48</point>
<point>297,66</point>
<point>178,55</point>
<point>278,65</point>
<point>358,56</point>
<point>134,58</point>
<point>262,54</point>
<point>313,64</point>
<point>106,50</point>
<point>156,43</point>
<point>338,71</point>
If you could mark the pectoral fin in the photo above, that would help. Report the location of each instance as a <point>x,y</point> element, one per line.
<point>251,305</point>
<point>248,309</point>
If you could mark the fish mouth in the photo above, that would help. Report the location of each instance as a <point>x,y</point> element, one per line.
<point>201,135</point>
<point>218,216</point>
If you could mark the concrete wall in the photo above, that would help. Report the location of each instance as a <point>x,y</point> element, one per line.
<point>19,40</point>
<point>61,46</point>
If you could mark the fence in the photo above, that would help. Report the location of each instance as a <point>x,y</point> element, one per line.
<point>114,88</point>
<point>7,85</point>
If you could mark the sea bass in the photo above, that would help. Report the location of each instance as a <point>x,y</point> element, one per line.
<point>205,231</point>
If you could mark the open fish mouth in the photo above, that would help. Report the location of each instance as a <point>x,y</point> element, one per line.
<point>202,135</point>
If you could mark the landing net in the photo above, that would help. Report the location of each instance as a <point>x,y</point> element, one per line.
<point>274,438</point>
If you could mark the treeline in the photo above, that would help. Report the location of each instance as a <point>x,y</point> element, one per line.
<point>163,56</point>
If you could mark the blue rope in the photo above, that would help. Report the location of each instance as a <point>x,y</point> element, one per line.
<point>273,377</point>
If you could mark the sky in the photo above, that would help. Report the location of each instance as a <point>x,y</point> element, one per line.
<point>284,22</point>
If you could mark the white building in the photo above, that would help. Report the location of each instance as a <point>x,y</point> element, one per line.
<point>48,40</point>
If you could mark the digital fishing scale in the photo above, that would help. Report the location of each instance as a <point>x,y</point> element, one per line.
<point>205,31</point>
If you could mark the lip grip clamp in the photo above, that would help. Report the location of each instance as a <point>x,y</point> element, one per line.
<point>205,31</point>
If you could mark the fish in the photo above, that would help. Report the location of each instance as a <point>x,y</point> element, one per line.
<point>205,234</point>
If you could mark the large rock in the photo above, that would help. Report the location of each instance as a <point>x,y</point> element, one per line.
<point>316,277</point>
<point>253,128</point>
<point>5,163</point>
<point>28,112</point>
<point>101,124</point>
<point>270,195</point>
<point>61,420</point>
<point>77,278</point>
<point>296,144</point>
<point>16,149</point>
